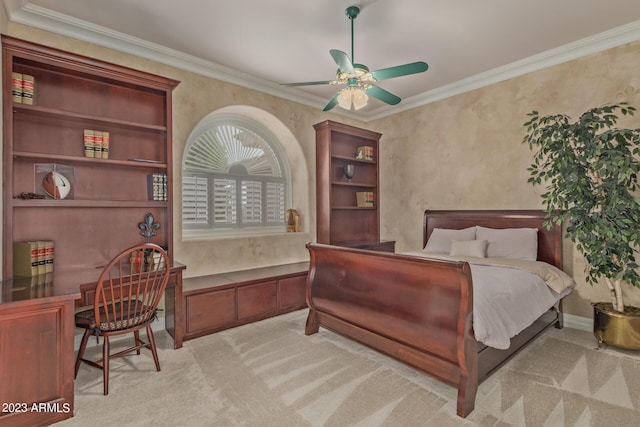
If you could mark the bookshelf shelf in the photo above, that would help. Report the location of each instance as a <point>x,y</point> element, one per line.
<point>74,93</point>
<point>61,158</point>
<point>364,208</point>
<point>50,203</point>
<point>353,184</point>
<point>84,118</point>
<point>353,159</point>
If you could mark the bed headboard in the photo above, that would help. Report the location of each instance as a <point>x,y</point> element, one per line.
<point>549,241</point>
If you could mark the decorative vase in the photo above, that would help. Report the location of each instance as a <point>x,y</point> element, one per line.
<point>616,329</point>
<point>292,218</point>
<point>349,170</point>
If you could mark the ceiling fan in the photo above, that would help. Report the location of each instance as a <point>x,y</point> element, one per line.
<point>359,81</point>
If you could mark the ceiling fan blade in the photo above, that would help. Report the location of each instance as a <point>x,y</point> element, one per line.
<point>326,82</point>
<point>332,103</point>
<point>400,70</point>
<point>343,61</point>
<point>382,95</point>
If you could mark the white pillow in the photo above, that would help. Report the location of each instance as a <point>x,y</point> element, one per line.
<point>513,243</point>
<point>440,240</point>
<point>470,248</point>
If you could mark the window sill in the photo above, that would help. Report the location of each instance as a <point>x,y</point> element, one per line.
<point>196,235</point>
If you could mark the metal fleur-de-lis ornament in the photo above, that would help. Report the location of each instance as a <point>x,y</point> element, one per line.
<point>148,227</point>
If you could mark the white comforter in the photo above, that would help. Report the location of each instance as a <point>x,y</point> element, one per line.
<point>508,295</point>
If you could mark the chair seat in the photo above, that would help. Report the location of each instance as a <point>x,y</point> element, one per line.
<point>123,317</point>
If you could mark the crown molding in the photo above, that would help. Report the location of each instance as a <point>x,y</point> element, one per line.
<point>23,12</point>
<point>587,46</point>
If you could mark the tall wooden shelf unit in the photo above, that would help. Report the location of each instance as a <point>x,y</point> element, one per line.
<point>339,220</point>
<point>109,199</point>
<point>89,227</point>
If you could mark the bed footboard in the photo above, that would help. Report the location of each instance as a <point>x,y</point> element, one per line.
<point>418,311</point>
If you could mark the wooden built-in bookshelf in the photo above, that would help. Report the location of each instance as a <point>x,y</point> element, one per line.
<point>340,221</point>
<point>73,93</point>
<point>97,220</point>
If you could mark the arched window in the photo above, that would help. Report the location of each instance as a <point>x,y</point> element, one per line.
<point>234,178</point>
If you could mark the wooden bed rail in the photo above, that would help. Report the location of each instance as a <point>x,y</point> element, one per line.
<point>418,311</point>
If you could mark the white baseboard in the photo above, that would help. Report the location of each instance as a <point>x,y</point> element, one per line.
<point>578,322</point>
<point>156,327</point>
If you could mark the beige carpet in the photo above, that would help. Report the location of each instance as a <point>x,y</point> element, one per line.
<point>271,374</point>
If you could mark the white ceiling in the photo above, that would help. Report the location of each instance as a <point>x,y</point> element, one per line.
<point>260,44</point>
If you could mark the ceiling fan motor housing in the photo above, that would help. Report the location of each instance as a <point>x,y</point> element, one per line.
<point>352,12</point>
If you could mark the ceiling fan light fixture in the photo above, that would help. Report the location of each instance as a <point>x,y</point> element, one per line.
<point>344,98</point>
<point>352,95</point>
<point>360,99</point>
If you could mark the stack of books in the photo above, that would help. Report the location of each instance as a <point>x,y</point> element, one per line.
<point>22,88</point>
<point>96,144</point>
<point>33,258</point>
<point>157,186</point>
<point>146,260</point>
<point>365,152</point>
<point>364,199</point>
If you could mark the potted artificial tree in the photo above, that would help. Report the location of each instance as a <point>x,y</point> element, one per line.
<point>591,168</point>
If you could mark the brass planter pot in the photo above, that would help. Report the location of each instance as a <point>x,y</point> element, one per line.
<point>616,329</point>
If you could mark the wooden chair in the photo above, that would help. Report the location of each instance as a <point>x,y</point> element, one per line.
<point>126,300</point>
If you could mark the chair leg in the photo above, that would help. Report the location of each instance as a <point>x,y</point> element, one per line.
<point>105,364</point>
<point>83,347</point>
<point>136,339</point>
<point>152,343</point>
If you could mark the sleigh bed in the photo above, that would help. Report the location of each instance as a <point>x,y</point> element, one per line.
<point>420,309</point>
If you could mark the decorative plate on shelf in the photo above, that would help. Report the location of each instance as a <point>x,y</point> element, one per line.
<point>56,185</point>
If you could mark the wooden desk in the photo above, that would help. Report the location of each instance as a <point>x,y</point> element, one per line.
<point>37,341</point>
<point>36,353</point>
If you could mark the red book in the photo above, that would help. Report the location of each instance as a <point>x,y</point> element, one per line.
<point>89,143</point>
<point>98,144</point>
<point>16,87</point>
<point>48,255</point>
<point>105,145</point>
<point>28,89</point>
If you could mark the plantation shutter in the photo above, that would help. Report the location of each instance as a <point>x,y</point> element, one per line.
<point>224,201</point>
<point>251,202</point>
<point>233,178</point>
<point>195,200</point>
<point>275,202</point>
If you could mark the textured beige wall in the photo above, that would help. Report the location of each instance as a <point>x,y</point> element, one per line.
<point>465,152</point>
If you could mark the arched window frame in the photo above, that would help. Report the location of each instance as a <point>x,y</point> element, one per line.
<point>207,179</point>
